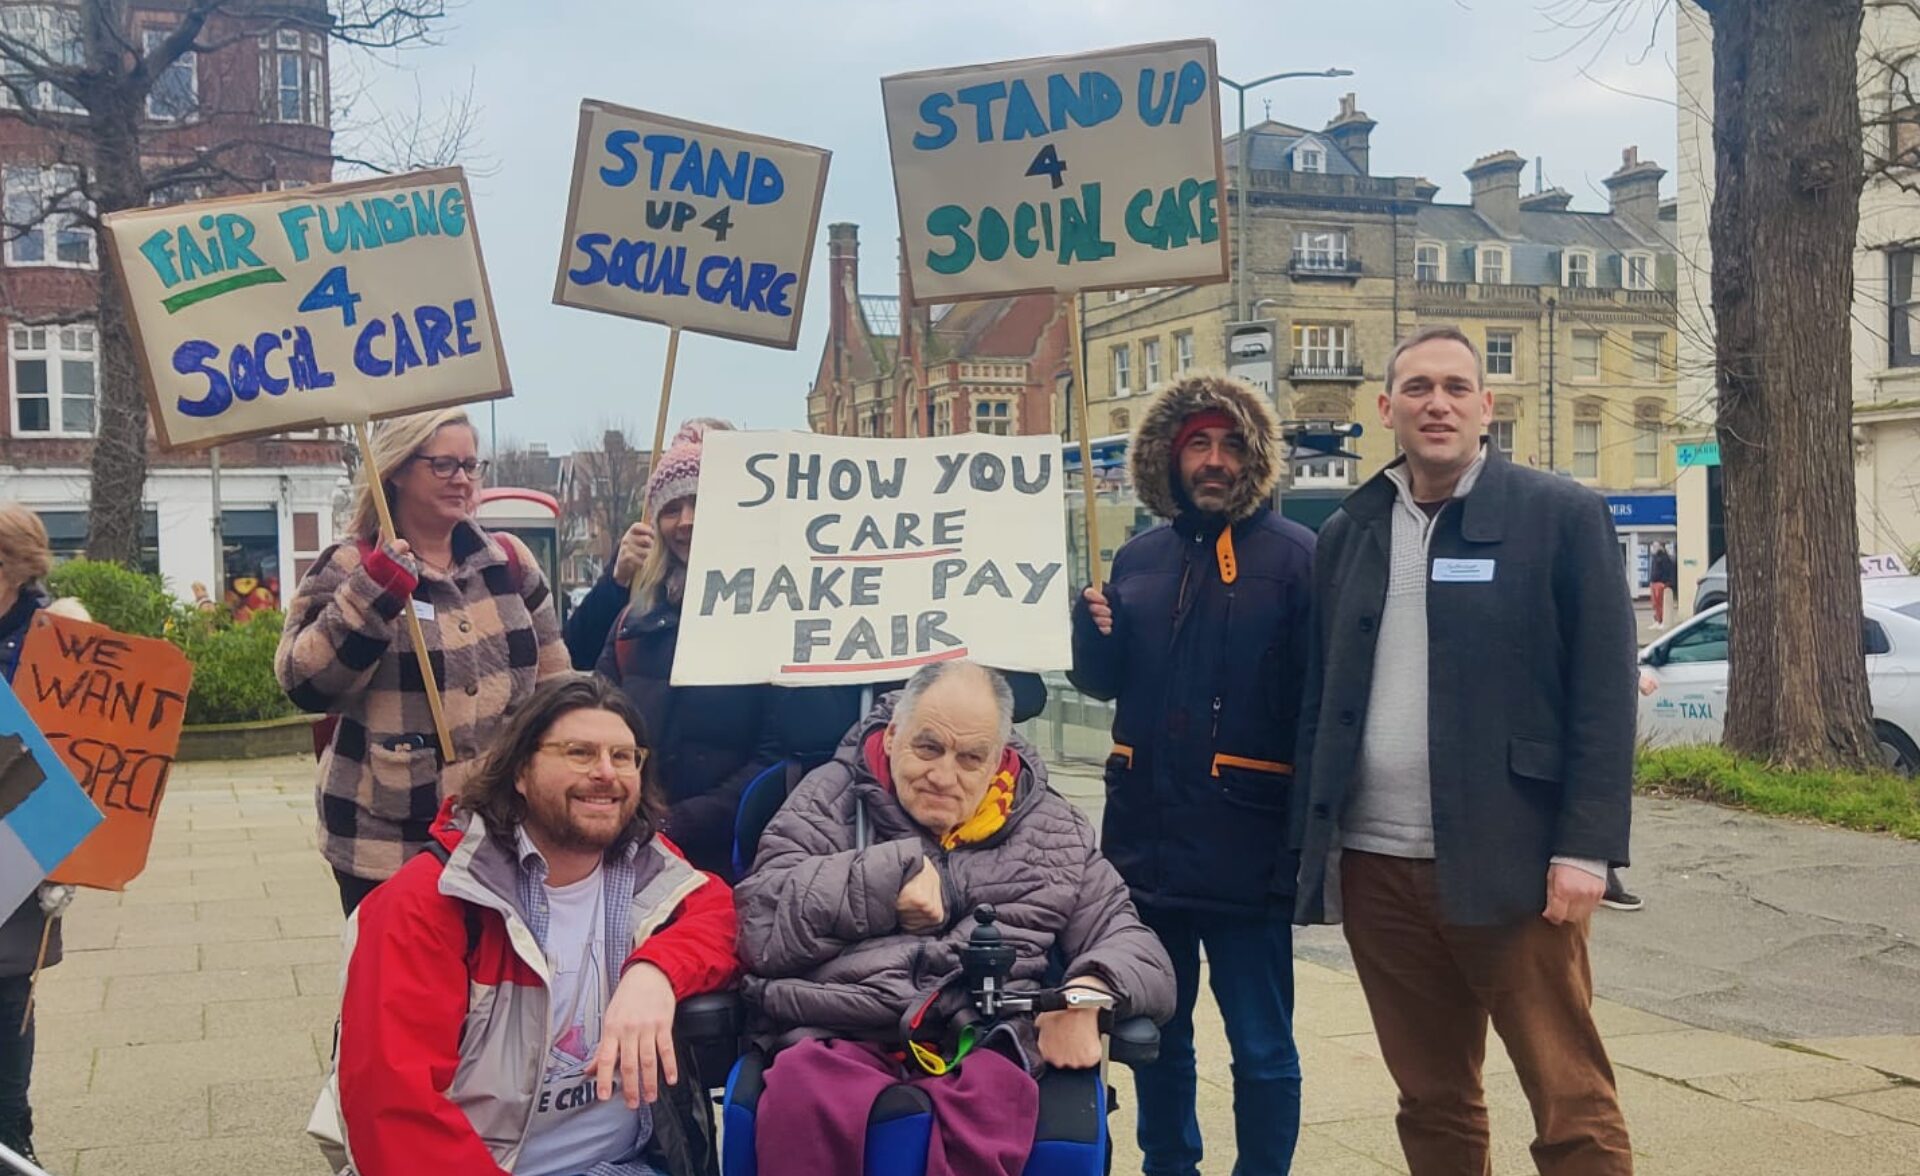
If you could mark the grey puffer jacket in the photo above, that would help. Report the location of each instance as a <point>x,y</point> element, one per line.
<point>821,942</point>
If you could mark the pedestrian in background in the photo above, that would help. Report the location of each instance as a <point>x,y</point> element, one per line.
<point>487,616</point>
<point>1662,576</point>
<point>1467,758</point>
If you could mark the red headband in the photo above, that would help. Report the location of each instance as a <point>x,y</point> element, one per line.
<point>1206,418</point>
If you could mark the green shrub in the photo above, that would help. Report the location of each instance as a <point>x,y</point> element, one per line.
<point>233,679</point>
<point>117,597</point>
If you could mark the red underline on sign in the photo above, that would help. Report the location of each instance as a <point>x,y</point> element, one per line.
<point>891,555</point>
<point>904,663</point>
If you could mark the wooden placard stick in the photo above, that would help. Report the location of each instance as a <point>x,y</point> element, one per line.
<point>1071,304</point>
<point>388,535</point>
<point>659,443</point>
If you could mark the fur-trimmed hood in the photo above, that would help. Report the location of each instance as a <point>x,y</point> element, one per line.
<point>1151,454</point>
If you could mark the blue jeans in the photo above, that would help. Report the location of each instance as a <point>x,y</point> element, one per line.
<point>1250,968</point>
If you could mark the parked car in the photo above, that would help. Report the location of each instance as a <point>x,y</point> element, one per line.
<point>1713,587</point>
<point>1683,676</point>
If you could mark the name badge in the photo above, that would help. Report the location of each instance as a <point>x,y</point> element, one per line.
<point>423,609</point>
<point>1463,571</point>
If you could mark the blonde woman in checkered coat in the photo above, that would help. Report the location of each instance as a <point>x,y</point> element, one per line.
<point>487,614</point>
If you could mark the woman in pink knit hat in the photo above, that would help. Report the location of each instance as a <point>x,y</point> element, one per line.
<point>709,741</point>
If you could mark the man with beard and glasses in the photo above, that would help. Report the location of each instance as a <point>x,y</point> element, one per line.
<point>506,984</point>
<point>1200,634</point>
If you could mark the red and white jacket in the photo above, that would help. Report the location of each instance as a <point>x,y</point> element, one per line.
<point>441,1050</point>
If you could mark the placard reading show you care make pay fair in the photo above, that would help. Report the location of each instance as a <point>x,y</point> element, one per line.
<point>325,305</point>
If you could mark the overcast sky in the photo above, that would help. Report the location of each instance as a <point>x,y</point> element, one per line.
<point>1447,80</point>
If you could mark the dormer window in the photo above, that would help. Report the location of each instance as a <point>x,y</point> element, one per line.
<point>1577,268</point>
<point>1310,156</point>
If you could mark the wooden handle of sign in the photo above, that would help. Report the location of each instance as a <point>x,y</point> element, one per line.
<point>659,439</point>
<point>39,962</point>
<point>1072,305</point>
<point>388,535</point>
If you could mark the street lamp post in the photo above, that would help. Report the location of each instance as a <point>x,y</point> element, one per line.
<point>1240,174</point>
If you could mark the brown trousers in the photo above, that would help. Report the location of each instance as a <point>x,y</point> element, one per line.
<point>1431,989</point>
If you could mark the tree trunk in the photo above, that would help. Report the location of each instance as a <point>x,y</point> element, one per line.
<point>119,470</point>
<point>1786,207</point>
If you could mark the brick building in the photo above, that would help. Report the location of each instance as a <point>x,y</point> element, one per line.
<point>252,115</point>
<point>992,366</point>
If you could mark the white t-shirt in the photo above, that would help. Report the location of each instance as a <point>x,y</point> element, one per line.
<point>572,1130</point>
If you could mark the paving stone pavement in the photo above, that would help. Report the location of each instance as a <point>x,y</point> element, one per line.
<point>187,1031</point>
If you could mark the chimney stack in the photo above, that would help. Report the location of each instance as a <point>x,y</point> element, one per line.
<point>1495,181</point>
<point>1635,188</point>
<point>843,283</point>
<point>1350,130</point>
<point>1550,200</point>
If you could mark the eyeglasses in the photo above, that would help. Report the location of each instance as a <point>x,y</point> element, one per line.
<point>445,467</point>
<point>584,757</point>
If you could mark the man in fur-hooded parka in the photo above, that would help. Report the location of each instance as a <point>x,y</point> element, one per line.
<point>1200,635</point>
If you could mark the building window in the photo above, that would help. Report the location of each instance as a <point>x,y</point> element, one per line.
<point>1500,353</point>
<point>1493,265</point>
<point>1150,361</point>
<point>1903,337</point>
<point>1310,157</point>
<point>1577,268</point>
<point>1320,348</point>
<point>1586,449</point>
<point>1639,271</point>
<point>43,210</point>
<point>1586,355</point>
<point>1646,358</point>
<point>1182,352</point>
<point>1123,370</point>
<point>1429,262</point>
<point>1904,109</point>
<point>943,419</point>
<point>1500,437</point>
<point>1320,249</point>
<point>293,77</point>
<point>52,32</point>
<point>55,380</point>
<point>1646,444</point>
<point>175,96</point>
<point>993,416</point>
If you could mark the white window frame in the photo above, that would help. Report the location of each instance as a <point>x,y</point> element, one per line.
<point>943,417</point>
<point>1310,158</point>
<point>1588,457</point>
<point>1647,368</point>
<point>310,49</point>
<point>997,416</point>
<point>1500,435</point>
<point>1323,347</point>
<point>1642,280</point>
<point>54,346</point>
<point>1567,270</point>
<point>48,226</point>
<point>188,62</point>
<point>1123,370</point>
<point>54,30</point>
<point>1438,265</point>
<point>1501,272</point>
<point>1150,361</point>
<point>1320,249</point>
<point>1576,361</point>
<point>1512,355</point>
<point>1182,352</point>
<point>1646,450</point>
<point>1325,474</point>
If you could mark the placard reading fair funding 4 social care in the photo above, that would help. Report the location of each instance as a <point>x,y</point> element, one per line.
<point>1099,171</point>
<point>690,225</point>
<point>325,305</point>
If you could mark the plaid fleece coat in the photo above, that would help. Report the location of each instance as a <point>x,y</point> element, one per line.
<point>491,633</point>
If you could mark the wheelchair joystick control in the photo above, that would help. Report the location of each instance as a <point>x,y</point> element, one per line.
<point>987,962</point>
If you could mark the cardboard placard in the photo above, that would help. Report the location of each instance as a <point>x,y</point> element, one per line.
<point>848,559</point>
<point>256,315</point>
<point>690,225</point>
<point>43,812</point>
<point>111,705</point>
<point>1097,171</point>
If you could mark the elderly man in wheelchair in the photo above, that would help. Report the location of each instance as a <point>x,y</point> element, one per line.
<point>910,904</point>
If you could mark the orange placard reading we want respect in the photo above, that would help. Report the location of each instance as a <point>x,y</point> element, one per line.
<point>112,707</point>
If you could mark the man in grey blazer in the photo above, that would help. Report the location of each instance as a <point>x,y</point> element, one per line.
<point>1465,768</point>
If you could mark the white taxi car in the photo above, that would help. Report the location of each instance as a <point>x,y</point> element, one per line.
<point>1683,676</point>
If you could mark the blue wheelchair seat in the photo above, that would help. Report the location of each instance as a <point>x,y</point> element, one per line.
<point>1071,1139</point>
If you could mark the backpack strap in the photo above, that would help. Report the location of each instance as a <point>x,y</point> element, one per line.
<point>443,855</point>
